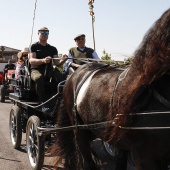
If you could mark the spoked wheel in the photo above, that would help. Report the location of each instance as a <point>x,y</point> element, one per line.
<point>35,144</point>
<point>2,93</point>
<point>15,126</point>
<point>111,151</point>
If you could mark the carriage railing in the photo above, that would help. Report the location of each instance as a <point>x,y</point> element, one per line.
<point>51,100</point>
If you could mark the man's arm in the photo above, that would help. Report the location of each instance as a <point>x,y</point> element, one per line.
<point>71,63</point>
<point>36,62</point>
<point>95,56</point>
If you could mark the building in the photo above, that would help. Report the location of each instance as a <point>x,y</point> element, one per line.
<point>7,53</point>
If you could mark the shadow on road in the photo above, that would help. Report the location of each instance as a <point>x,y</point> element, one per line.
<point>9,159</point>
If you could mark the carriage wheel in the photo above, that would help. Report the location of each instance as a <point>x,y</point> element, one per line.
<point>2,93</point>
<point>111,151</point>
<point>15,126</point>
<point>35,144</point>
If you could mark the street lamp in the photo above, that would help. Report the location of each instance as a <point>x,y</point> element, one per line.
<point>90,3</point>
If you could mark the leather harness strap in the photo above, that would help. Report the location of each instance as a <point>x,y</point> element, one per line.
<point>78,89</point>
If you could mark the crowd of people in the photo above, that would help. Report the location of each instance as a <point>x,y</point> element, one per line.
<point>43,57</point>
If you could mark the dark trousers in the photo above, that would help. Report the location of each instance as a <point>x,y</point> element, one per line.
<point>38,77</point>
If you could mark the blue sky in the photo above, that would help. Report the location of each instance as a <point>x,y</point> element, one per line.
<point>119,24</point>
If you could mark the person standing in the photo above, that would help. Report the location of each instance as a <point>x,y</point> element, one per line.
<point>40,58</point>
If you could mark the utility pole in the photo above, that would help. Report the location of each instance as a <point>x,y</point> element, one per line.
<point>90,3</point>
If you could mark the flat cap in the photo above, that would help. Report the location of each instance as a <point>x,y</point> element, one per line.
<point>78,36</point>
<point>43,29</point>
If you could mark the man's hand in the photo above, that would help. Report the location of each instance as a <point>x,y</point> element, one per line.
<point>64,57</point>
<point>47,59</point>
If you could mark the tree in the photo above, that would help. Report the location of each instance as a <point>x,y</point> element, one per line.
<point>107,57</point>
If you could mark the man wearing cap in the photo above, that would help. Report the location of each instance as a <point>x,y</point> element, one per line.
<point>40,58</point>
<point>81,51</point>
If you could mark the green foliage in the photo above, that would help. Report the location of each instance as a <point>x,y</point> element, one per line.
<point>106,57</point>
<point>123,64</point>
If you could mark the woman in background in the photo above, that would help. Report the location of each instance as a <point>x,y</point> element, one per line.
<point>22,57</point>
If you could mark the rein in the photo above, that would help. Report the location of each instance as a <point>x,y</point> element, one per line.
<point>45,131</point>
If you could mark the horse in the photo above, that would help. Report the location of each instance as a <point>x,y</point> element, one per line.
<point>133,104</point>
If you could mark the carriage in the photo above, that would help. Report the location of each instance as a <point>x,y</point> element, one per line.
<point>26,116</point>
<point>128,108</point>
<point>6,87</point>
<point>42,131</point>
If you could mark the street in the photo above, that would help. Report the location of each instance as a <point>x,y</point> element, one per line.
<point>12,159</point>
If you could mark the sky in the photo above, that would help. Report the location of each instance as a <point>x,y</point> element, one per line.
<point>119,26</point>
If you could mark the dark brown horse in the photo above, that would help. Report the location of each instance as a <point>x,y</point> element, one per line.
<point>97,93</point>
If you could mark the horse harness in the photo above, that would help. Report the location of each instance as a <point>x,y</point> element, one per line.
<point>75,112</point>
<point>145,115</point>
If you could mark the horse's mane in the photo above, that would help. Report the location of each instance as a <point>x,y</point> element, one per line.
<point>151,61</point>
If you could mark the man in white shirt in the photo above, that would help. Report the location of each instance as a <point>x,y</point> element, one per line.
<point>81,51</point>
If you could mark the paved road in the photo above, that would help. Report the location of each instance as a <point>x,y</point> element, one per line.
<point>12,159</point>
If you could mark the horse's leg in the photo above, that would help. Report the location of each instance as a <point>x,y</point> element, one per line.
<point>83,143</point>
<point>64,146</point>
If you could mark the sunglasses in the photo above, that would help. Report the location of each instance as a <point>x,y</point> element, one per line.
<point>44,32</point>
<point>24,55</point>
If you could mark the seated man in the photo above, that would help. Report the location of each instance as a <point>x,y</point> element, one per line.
<point>40,58</point>
<point>81,51</point>
<point>9,66</point>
